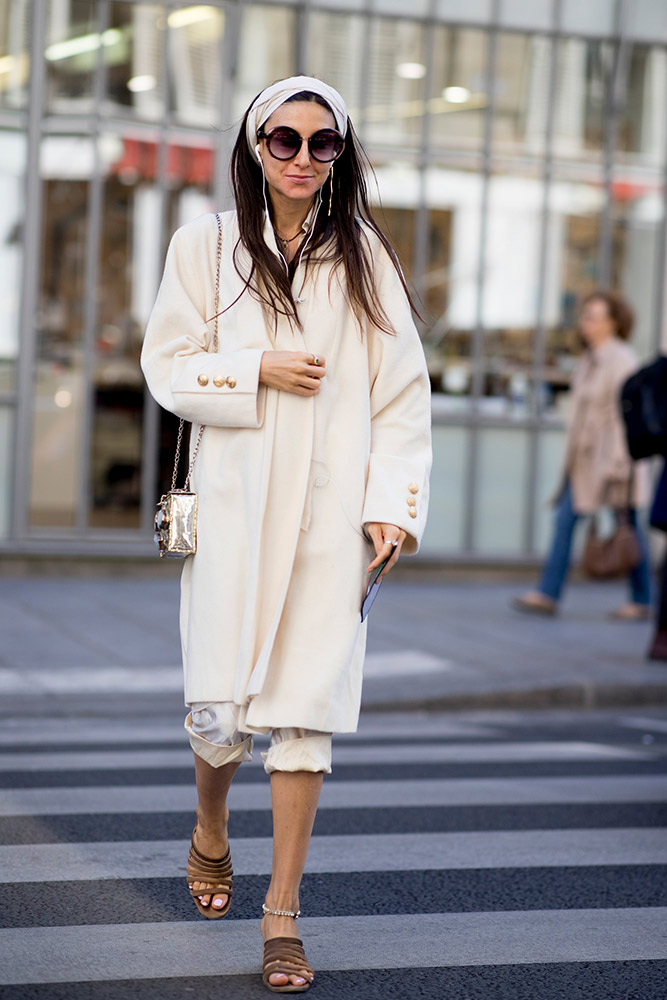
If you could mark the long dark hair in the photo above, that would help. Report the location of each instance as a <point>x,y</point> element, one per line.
<point>338,238</point>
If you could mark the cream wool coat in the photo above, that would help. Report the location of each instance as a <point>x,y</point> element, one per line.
<point>597,461</point>
<point>270,604</point>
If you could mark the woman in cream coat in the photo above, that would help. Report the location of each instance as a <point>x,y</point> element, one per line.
<point>313,469</point>
<point>597,469</point>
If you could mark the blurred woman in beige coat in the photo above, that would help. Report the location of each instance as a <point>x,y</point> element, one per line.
<point>313,470</point>
<point>597,469</point>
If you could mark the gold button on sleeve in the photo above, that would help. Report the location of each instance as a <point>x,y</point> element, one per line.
<point>411,502</point>
<point>412,512</point>
<point>413,488</point>
<point>218,380</point>
<point>203,379</point>
<point>231,381</point>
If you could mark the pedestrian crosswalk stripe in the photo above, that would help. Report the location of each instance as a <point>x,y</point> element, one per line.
<point>341,795</point>
<point>376,852</point>
<point>419,753</point>
<point>143,951</point>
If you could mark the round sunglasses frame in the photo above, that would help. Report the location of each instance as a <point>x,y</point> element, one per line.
<point>268,136</point>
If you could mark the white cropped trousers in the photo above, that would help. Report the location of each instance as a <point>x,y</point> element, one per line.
<point>212,728</point>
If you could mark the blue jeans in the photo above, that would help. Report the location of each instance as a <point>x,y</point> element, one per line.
<point>557,564</point>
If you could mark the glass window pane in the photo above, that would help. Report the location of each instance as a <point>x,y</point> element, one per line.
<point>73,42</point>
<point>512,261</point>
<point>500,507</point>
<point>195,36</point>
<point>445,524</point>
<point>475,10</point>
<point>335,54</point>
<point>549,459</point>
<point>521,93</point>
<point>595,16</point>
<point>454,198</point>
<point>572,271</point>
<point>583,77</point>
<point>14,57</point>
<point>12,208</point>
<point>637,213</point>
<point>458,92</point>
<point>642,126</point>
<point>6,466</point>
<point>134,69</point>
<point>59,389</point>
<point>266,51</point>
<point>647,19</point>
<point>526,13</point>
<point>396,70</point>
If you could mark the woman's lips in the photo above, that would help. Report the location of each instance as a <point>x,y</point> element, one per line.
<point>298,177</point>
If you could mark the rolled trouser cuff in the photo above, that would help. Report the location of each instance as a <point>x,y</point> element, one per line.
<point>308,753</point>
<point>213,753</point>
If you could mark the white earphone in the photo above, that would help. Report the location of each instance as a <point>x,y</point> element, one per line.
<point>258,152</point>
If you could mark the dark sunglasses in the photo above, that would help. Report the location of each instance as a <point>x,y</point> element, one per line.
<point>284,143</point>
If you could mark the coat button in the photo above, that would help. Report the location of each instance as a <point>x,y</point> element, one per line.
<point>218,380</point>
<point>412,512</point>
<point>203,379</point>
<point>413,488</point>
<point>231,381</point>
<point>411,502</point>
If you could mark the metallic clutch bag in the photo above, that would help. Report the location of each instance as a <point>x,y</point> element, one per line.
<point>175,531</point>
<point>176,524</point>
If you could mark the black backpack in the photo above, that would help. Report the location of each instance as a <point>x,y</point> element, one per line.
<point>644,409</point>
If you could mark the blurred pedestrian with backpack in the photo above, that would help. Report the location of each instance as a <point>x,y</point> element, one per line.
<point>597,468</point>
<point>644,407</point>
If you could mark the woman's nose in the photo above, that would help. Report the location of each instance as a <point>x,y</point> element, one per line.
<point>302,158</point>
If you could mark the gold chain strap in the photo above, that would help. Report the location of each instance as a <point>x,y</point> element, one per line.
<point>216,309</point>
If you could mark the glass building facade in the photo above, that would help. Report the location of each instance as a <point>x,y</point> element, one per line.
<point>520,151</point>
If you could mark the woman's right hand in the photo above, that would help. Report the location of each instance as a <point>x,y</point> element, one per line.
<point>292,371</point>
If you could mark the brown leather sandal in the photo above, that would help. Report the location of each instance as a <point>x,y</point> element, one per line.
<point>217,873</point>
<point>285,956</point>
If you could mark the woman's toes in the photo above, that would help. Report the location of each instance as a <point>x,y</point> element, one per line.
<point>219,902</point>
<point>278,979</point>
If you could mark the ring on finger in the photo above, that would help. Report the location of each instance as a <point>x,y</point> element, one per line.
<point>316,360</point>
<point>391,541</point>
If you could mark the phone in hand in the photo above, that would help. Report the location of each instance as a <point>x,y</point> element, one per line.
<point>373,587</point>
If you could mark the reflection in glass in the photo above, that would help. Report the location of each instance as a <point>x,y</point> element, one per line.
<point>266,52</point>
<point>637,216</point>
<point>134,69</point>
<point>73,42</point>
<point>195,33</point>
<point>12,210</point>
<point>14,58</point>
<point>335,54</point>
<point>396,71</point>
<point>521,88</point>
<point>58,382</point>
<point>458,90</point>
<point>642,129</point>
<point>583,78</point>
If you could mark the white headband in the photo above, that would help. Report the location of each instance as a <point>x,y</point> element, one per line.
<point>271,99</point>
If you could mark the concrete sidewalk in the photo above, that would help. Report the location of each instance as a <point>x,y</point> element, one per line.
<point>432,644</point>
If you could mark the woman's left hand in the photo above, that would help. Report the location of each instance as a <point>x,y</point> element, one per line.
<point>383,537</point>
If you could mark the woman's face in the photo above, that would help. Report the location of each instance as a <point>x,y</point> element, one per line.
<point>595,323</point>
<point>301,178</point>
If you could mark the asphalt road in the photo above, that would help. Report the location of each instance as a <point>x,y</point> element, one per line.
<point>473,857</point>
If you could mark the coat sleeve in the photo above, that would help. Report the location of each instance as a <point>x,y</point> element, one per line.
<point>617,464</point>
<point>397,486</point>
<point>183,374</point>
